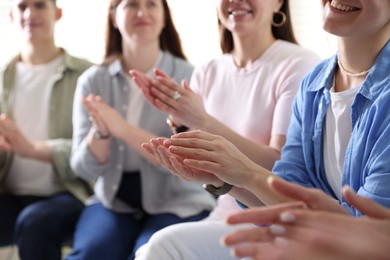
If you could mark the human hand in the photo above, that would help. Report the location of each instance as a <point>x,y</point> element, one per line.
<point>187,109</point>
<point>312,234</point>
<point>174,163</point>
<point>315,199</point>
<point>12,140</point>
<point>145,84</point>
<point>105,118</point>
<point>213,154</point>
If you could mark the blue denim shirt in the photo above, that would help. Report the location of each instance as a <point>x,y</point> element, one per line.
<point>367,159</point>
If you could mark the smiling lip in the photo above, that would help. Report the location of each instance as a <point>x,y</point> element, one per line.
<point>141,23</point>
<point>30,25</point>
<point>342,7</point>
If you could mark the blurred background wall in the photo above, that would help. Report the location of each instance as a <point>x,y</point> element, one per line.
<point>81,30</point>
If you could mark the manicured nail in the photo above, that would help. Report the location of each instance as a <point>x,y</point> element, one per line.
<point>277,229</point>
<point>287,217</point>
<point>280,242</point>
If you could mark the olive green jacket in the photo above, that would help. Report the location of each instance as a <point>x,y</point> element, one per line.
<point>60,120</point>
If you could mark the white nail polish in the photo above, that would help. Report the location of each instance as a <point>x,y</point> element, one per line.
<point>287,217</point>
<point>277,229</point>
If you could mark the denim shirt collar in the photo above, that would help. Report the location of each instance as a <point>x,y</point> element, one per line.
<point>369,89</point>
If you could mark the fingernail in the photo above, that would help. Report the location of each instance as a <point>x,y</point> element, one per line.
<point>222,242</point>
<point>277,229</point>
<point>287,217</point>
<point>280,242</point>
<point>270,179</point>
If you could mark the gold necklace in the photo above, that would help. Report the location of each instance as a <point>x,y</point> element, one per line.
<point>352,74</point>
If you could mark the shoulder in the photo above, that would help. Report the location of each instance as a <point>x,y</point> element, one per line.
<point>321,75</point>
<point>176,67</point>
<point>293,53</point>
<point>216,64</point>
<point>9,64</point>
<point>96,72</point>
<point>76,63</point>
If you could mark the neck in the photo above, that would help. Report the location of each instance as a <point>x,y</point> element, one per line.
<point>138,57</point>
<point>249,48</point>
<point>356,57</point>
<point>36,54</point>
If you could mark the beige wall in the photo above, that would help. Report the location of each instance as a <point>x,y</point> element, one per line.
<point>81,30</point>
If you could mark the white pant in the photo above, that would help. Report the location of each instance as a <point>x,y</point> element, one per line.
<point>193,240</point>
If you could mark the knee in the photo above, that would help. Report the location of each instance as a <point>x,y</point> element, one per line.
<point>33,222</point>
<point>164,244</point>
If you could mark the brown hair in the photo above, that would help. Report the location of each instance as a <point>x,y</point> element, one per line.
<point>284,32</point>
<point>169,37</point>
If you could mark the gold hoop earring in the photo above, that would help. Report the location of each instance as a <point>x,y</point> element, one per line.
<point>281,17</point>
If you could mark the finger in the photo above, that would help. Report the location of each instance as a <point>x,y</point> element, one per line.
<point>168,84</point>
<point>165,94</point>
<point>4,144</point>
<point>154,145</point>
<point>140,79</point>
<point>314,198</point>
<point>179,169</point>
<point>320,240</point>
<point>186,86</point>
<point>164,155</point>
<point>263,215</point>
<point>191,143</point>
<point>148,148</point>
<point>149,97</point>
<point>160,73</point>
<point>163,104</point>
<point>247,235</point>
<point>367,206</point>
<point>255,251</point>
<point>317,220</point>
<point>198,134</point>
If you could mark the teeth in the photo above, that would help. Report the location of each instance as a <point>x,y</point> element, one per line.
<point>238,12</point>
<point>341,7</point>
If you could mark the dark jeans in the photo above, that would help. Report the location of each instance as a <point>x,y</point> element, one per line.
<point>103,234</point>
<point>39,226</point>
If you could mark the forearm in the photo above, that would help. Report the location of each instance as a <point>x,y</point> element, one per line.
<point>135,137</point>
<point>255,191</point>
<point>98,147</point>
<point>40,151</point>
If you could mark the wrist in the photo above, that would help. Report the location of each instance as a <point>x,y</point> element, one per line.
<point>99,135</point>
<point>218,191</point>
<point>176,128</point>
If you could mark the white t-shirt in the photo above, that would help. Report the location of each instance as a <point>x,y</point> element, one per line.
<point>255,101</point>
<point>32,91</point>
<point>133,113</point>
<point>338,128</point>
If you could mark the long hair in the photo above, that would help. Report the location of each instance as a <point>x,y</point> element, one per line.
<point>169,38</point>
<point>281,33</point>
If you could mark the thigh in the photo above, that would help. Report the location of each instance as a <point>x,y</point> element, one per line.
<point>104,234</point>
<point>154,223</point>
<point>56,215</point>
<point>10,208</point>
<point>188,241</point>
